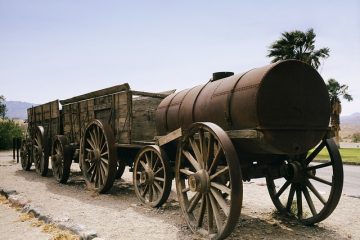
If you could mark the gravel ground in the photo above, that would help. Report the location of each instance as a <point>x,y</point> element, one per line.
<point>13,228</point>
<point>119,215</point>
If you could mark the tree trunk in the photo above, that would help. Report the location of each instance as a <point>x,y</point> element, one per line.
<point>335,119</point>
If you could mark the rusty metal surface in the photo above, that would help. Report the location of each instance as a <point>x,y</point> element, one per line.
<point>287,101</point>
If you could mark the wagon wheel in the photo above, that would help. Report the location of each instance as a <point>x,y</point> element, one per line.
<point>152,176</point>
<point>25,155</point>
<point>320,184</point>
<point>208,180</point>
<point>61,158</point>
<point>98,156</point>
<point>40,153</point>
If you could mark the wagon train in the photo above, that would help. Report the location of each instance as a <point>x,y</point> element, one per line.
<point>269,122</point>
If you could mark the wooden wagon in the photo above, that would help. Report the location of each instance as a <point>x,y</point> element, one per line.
<point>270,122</point>
<point>109,126</point>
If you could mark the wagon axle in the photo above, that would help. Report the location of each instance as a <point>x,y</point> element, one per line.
<point>295,172</point>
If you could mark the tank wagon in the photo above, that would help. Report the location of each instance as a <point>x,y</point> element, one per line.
<point>269,122</point>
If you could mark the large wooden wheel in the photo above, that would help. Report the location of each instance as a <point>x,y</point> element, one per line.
<point>61,158</point>
<point>317,187</point>
<point>40,152</point>
<point>98,156</point>
<point>25,155</point>
<point>208,180</point>
<point>152,176</point>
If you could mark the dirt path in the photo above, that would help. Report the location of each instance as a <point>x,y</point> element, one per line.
<point>119,215</point>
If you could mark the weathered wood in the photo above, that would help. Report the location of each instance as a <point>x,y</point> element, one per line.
<point>99,93</point>
<point>169,137</point>
<point>148,94</point>
<point>143,118</point>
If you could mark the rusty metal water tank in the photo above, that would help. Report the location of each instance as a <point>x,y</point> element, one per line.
<point>287,101</point>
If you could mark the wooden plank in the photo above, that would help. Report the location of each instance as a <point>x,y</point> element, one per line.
<point>148,94</point>
<point>99,93</point>
<point>169,137</point>
<point>246,133</point>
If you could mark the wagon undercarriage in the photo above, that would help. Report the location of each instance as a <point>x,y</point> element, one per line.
<point>205,149</point>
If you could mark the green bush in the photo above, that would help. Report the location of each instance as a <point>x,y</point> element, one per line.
<point>8,130</point>
<point>356,137</point>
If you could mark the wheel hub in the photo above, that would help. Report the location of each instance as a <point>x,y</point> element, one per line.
<point>199,182</point>
<point>293,172</point>
<point>94,155</point>
<point>147,176</point>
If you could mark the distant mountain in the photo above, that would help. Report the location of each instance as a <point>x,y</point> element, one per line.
<point>353,119</point>
<point>17,109</point>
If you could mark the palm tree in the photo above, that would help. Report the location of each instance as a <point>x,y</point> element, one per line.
<point>335,92</point>
<point>3,109</point>
<point>298,45</point>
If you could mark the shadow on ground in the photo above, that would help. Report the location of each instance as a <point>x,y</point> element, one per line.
<point>265,226</point>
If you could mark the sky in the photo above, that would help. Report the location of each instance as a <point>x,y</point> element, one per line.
<point>52,49</point>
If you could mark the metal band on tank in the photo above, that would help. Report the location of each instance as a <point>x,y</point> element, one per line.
<point>229,99</point>
<point>182,100</point>
<point>193,107</point>
<point>167,109</point>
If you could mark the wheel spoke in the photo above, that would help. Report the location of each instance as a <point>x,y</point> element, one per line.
<point>196,150</point>
<point>101,175</point>
<point>159,170</point>
<point>146,189</point>
<point>147,160</point>
<point>193,201</point>
<point>215,160</point>
<point>105,153</point>
<point>316,193</point>
<point>143,164</point>
<point>161,190</point>
<point>104,160</point>
<point>290,198</point>
<point>155,164</point>
<point>93,173</point>
<point>156,193</point>
<point>209,214</point>
<point>92,140</point>
<point>150,194</point>
<point>97,136</point>
<point>282,189</point>
<point>91,168</point>
<point>216,212</point>
<point>191,159</point>
<point>104,166</point>
<point>315,153</point>
<point>221,187</point>
<point>103,146</point>
<point>186,171</point>
<point>90,143</point>
<point>309,201</point>
<point>299,203</point>
<point>322,165</point>
<point>218,173</point>
<point>319,179</point>
<point>202,148</point>
<point>209,150</point>
<point>159,179</point>
<point>220,200</point>
<point>202,211</point>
